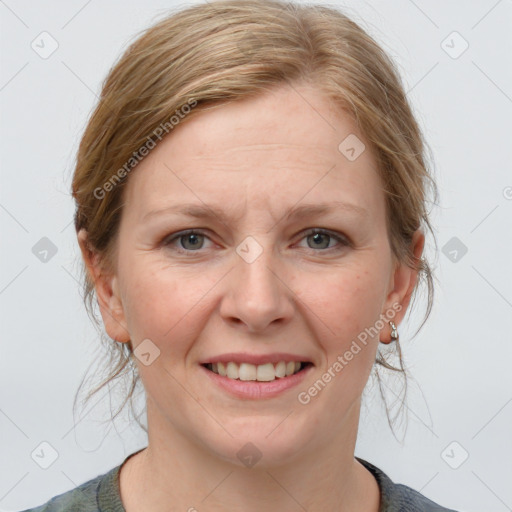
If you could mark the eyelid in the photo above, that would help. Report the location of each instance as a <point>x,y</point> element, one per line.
<point>342,240</point>
<point>168,239</point>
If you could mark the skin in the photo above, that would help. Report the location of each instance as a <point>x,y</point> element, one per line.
<point>254,160</point>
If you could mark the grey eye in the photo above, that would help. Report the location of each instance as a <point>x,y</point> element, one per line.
<point>195,240</point>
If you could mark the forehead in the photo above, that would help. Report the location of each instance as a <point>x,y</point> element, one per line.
<point>284,145</point>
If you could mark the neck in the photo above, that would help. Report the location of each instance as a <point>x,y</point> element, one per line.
<point>176,471</point>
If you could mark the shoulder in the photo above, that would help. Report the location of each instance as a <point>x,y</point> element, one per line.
<point>399,497</point>
<point>100,494</point>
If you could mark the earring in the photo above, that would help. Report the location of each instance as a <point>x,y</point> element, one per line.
<point>394,333</point>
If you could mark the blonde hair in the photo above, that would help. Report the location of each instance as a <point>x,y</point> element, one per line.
<point>227,50</point>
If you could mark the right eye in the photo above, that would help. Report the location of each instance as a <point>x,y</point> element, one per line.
<point>190,241</point>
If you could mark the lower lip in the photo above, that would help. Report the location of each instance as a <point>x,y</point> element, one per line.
<point>251,389</point>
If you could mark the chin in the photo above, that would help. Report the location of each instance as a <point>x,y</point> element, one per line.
<point>260,442</point>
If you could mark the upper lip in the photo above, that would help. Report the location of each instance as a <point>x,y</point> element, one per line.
<point>256,359</point>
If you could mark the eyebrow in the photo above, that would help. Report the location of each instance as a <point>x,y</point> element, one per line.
<point>298,212</point>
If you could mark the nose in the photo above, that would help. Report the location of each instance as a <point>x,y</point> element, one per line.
<point>257,293</point>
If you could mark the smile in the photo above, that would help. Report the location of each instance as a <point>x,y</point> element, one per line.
<point>262,373</point>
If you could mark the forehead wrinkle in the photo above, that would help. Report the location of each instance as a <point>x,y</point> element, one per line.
<point>298,152</point>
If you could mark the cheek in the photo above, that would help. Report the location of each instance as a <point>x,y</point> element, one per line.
<point>348,307</point>
<point>153,302</point>
<point>162,303</point>
<point>346,302</point>
<point>350,311</point>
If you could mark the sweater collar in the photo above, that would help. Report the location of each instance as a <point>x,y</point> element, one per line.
<point>388,489</point>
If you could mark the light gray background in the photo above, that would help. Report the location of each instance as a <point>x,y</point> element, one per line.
<point>462,388</point>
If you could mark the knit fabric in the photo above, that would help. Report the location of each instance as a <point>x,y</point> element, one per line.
<point>101,494</point>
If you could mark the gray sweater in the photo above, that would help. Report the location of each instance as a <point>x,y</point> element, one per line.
<point>101,494</point>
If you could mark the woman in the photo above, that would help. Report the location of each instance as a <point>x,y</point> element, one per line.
<point>251,205</point>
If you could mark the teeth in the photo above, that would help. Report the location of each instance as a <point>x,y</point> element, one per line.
<point>265,372</point>
<point>247,371</point>
<point>232,371</point>
<point>280,369</point>
<point>221,367</point>
<point>262,373</point>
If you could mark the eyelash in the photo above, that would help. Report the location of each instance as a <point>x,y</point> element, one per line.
<point>167,241</point>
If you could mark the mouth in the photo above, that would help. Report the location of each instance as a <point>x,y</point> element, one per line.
<point>267,372</point>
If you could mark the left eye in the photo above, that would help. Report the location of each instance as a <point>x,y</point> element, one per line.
<point>193,240</point>
<point>318,237</point>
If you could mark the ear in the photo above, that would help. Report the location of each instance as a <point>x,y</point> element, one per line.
<point>402,285</point>
<point>107,292</point>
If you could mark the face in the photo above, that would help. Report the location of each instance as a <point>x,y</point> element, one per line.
<point>289,260</point>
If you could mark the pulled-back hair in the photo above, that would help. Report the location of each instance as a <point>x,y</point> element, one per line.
<point>213,53</point>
